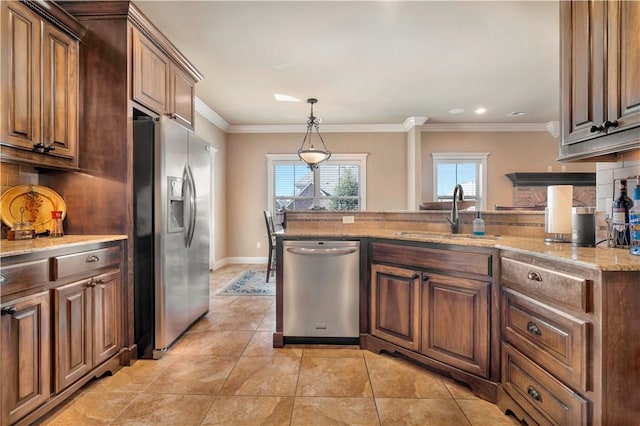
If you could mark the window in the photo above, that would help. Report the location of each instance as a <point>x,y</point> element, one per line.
<point>466,169</point>
<point>338,184</point>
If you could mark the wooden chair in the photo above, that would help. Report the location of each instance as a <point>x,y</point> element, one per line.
<point>271,232</point>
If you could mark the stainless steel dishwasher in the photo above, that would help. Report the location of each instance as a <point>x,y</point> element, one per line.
<point>321,297</point>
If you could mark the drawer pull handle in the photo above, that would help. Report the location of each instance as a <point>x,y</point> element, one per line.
<point>534,276</point>
<point>534,394</point>
<point>9,310</point>
<point>533,328</point>
<point>2,278</point>
<point>93,258</point>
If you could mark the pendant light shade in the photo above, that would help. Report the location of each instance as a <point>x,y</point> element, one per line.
<point>308,152</point>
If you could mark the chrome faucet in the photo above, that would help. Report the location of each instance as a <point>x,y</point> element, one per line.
<point>454,220</point>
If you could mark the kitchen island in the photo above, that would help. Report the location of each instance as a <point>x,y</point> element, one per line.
<point>524,323</point>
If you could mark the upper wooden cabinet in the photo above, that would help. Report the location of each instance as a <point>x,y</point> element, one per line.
<point>600,83</point>
<point>159,83</point>
<point>150,74</point>
<point>39,85</point>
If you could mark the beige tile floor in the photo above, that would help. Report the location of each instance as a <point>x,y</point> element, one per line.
<point>223,371</point>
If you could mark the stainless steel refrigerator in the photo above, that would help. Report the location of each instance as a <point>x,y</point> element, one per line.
<point>172,185</point>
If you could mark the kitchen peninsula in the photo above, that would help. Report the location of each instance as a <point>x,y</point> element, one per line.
<point>549,332</point>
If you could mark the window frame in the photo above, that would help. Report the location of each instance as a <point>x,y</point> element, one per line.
<point>480,158</point>
<point>360,158</point>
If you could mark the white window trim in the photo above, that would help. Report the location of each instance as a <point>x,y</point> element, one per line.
<point>335,158</point>
<point>463,156</point>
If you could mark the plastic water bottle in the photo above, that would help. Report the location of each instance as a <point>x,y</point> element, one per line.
<point>634,220</point>
<point>478,225</point>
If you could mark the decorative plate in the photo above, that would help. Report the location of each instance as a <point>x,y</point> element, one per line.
<point>31,203</point>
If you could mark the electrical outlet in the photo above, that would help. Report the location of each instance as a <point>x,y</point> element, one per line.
<point>258,244</point>
<point>348,219</point>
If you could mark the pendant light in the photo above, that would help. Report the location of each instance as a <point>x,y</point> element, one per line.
<point>307,152</point>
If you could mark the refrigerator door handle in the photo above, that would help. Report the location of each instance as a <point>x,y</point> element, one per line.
<point>186,190</point>
<point>193,206</point>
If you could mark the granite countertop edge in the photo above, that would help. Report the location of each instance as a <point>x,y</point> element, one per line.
<point>600,257</point>
<point>18,247</point>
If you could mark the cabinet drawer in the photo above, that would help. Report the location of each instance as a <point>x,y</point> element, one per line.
<point>424,257</point>
<point>23,276</point>
<point>77,263</point>
<point>554,286</point>
<point>545,398</point>
<point>550,337</point>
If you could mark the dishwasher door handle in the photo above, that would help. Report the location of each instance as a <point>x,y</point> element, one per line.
<point>321,252</point>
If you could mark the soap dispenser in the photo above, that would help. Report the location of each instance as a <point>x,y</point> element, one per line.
<point>478,225</point>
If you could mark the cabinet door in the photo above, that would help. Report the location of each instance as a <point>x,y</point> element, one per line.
<point>59,92</point>
<point>20,76</point>
<point>150,74</point>
<point>582,69</point>
<point>395,299</point>
<point>181,99</point>
<point>624,65</point>
<point>455,322</point>
<point>26,356</point>
<point>107,325</point>
<point>72,323</point>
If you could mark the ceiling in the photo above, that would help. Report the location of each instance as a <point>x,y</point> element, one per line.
<point>369,63</point>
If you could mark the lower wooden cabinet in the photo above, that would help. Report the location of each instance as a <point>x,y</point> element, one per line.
<point>430,305</point>
<point>87,326</point>
<point>26,356</point>
<point>455,322</point>
<point>62,323</point>
<point>395,305</point>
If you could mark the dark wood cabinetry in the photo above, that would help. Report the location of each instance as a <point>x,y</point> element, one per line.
<point>395,304</point>
<point>569,346</point>
<point>600,87</point>
<point>456,322</point>
<point>437,306</point>
<point>150,73</point>
<point>87,324</point>
<point>26,355</point>
<point>160,84</point>
<point>39,68</point>
<point>62,324</point>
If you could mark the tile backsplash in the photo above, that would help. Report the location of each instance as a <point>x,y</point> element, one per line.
<point>627,166</point>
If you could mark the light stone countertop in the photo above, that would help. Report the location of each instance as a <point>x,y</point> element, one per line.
<point>12,248</point>
<point>601,257</point>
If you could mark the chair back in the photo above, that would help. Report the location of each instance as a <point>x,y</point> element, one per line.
<point>268,218</point>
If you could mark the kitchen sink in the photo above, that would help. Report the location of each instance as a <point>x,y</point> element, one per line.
<point>447,236</point>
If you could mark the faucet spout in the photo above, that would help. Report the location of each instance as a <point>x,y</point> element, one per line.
<point>454,220</point>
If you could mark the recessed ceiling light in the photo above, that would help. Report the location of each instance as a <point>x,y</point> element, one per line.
<point>481,110</point>
<point>517,113</point>
<point>285,98</point>
<point>456,110</point>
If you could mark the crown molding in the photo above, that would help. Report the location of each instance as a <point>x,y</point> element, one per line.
<point>412,122</point>
<point>390,128</point>
<point>485,127</point>
<point>213,117</point>
<point>326,128</point>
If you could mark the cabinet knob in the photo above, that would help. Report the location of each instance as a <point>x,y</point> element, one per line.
<point>172,115</point>
<point>92,259</point>
<point>415,276</point>
<point>596,129</point>
<point>610,124</point>
<point>91,283</point>
<point>10,310</point>
<point>98,281</point>
<point>533,328</point>
<point>534,394</point>
<point>2,278</point>
<point>534,276</point>
<point>425,278</point>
